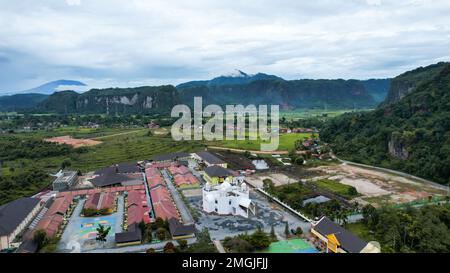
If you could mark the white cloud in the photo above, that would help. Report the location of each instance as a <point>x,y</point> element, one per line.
<point>73,2</point>
<point>120,43</point>
<point>374,2</point>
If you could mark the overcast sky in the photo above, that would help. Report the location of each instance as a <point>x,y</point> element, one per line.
<point>108,43</point>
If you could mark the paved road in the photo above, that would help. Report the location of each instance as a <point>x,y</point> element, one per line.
<point>184,211</point>
<point>119,134</point>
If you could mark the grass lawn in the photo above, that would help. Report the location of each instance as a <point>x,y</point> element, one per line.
<point>335,187</point>
<point>359,229</point>
<point>287,142</point>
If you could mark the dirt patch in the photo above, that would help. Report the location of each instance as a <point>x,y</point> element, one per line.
<point>192,193</point>
<point>377,187</point>
<point>278,179</point>
<point>74,142</point>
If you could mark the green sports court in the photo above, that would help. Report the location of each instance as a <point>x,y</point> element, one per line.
<point>291,246</point>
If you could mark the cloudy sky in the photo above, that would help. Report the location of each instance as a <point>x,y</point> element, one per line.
<point>150,42</point>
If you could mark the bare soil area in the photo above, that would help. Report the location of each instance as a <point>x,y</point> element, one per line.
<point>74,142</point>
<point>278,179</point>
<point>377,187</point>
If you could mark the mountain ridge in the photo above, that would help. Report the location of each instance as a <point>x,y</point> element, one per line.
<point>51,87</point>
<point>409,133</point>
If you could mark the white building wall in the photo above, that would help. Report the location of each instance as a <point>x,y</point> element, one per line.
<point>223,203</point>
<point>6,241</point>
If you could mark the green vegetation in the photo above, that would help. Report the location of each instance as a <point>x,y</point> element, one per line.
<point>89,212</point>
<point>333,94</point>
<point>14,148</point>
<point>112,101</point>
<point>291,194</point>
<point>102,233</point>
<point>337,188</point>
<point>19,182</point>
<point>23,175</point>
<point>424,229</point>
<point>244,243</point>
<point>332,209</point>
<point>44,243</point>
<point>287,142</point>
<point>307,114</point>
<point>410,135</point>
<point>203,243</point>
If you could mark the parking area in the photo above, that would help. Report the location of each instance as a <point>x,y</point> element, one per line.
<point>268,214</point>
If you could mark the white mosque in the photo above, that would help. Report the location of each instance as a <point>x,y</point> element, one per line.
<point>226,199</point>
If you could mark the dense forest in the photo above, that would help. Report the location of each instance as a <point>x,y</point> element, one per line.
<point>288,94</point>
<point>424,229</point>
<point>23,178</point>
<point>47,122</point>
<point>20,101</point>
<point>411,135</point>
<point>15,148</point>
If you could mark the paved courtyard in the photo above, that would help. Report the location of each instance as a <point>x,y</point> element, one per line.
<point>267,215</point>
<point>80,233</point>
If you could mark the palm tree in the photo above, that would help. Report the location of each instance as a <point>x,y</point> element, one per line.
<point>102,233</point>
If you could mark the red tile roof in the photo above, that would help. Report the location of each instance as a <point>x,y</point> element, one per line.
<point>154,177</point>
<point>100,200</point>
<point>54,215</point>
<point>163,204</point>
<point>187,179</point>
<point>137,207</point>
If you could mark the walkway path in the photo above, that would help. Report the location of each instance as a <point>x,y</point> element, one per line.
<point>219,246</point>
<point>184,211</point>
<point>119,134</point>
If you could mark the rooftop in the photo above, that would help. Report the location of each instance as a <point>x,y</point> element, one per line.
<point>132,235</point>
<point>347,240</point>
<point>217,171</point>
<point>178,229</point>
<point>128,167</point>
<point>13,213</point>
<point>171,157</point>
<point>210,158</point>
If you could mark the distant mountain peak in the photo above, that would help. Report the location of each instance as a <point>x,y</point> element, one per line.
<point>236,74</point>
<point>54,86</point>
<point>232,78</point>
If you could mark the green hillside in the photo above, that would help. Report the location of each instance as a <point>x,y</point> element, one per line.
<point>410,135</point>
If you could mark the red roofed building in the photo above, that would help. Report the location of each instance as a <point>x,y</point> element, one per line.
<point>137,207</point>
<point>174,170</point>
<point>187,179</point>
<point>154,177</point>
<point>55,214</point>
<point>162,203</point>
<point>100,200</point>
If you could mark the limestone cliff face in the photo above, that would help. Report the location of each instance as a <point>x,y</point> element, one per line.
<point>397,149</point>
<point>114,101</point>
<point>406,83</point>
